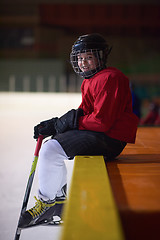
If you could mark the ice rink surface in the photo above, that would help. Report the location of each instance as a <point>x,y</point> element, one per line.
<point>19,113</point>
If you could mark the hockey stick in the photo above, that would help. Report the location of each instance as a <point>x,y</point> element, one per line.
<point>29,184</point>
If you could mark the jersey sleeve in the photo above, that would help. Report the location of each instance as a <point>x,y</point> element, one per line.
<point>109,102</point>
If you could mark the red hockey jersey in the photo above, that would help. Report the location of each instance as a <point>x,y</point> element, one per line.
<point>107,105</point>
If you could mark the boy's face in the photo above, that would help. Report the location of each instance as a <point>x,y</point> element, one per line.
<point>87,61</point>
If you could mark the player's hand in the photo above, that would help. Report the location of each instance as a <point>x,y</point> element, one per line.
<point>45,128</point>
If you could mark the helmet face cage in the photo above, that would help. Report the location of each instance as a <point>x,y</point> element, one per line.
<point>93,44</point>
<point>97,64</point>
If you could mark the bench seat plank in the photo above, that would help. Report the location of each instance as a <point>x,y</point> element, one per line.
<point>91,212</point>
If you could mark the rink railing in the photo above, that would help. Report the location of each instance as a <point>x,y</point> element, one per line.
<point>64,83</point>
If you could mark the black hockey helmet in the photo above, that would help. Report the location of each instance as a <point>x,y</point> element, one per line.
<point>95,44</point>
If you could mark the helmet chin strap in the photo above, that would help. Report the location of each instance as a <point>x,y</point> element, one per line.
<point>91,73</point>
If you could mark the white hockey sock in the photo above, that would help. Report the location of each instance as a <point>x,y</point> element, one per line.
<point>52,169</point>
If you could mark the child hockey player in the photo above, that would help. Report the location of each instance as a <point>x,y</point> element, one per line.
<point>102,125</point>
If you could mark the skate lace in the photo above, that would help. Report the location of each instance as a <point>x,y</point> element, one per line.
<point>39,207</point>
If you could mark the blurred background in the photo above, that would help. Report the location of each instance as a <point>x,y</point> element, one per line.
<point>36,38</point>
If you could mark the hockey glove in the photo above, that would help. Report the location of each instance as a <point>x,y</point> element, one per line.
<point>45,128</point>
<point>68,121</point>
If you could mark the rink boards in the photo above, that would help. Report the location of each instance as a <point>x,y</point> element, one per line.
<point>122,202</point>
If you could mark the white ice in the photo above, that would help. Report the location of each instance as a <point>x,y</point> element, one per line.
<point>19,113</point>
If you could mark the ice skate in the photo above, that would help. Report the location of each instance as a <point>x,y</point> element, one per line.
<point>59,206</point>
<point>57,217</point>
<point>41,213</point>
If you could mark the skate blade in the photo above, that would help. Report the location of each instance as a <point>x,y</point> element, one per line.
<point>52,222</point>
<point>56,221</point>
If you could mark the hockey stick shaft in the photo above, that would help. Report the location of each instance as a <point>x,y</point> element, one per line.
<point>29,184</point>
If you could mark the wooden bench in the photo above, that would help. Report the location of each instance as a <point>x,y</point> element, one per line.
<point>135,180</point>
<point>91,212</point>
